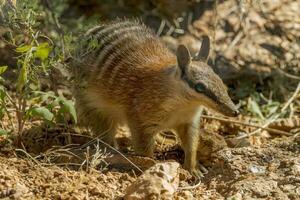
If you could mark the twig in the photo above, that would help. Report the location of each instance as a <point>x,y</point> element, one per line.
<point>8,111</point>
<point>190,187</point>
<point>49,39</point>
<point>272,119</point>
<point>29,156</point>
<point>216,17</point>
<point>292,98</point>
<point>62,164</point>
<point>61,152</point>
<point>170,31</point>
<point>225,14</point>
<point>11,100</point>
<point>287,74</point>
<point>77,135</point>
<point>161,27</point>
<point>236,39</point>
<point>248,124</point>
<point>139,169</point>
<point>101,141</point>
<point>87,158</point>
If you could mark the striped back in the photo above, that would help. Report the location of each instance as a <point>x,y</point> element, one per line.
<point>121,47</point>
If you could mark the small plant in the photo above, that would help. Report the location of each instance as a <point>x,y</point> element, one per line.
<point>35,57</point>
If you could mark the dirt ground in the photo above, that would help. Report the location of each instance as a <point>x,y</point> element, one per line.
<point>267,171</point>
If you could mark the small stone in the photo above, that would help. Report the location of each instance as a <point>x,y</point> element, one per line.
<point>95,191</point>
<point>20,190</point>
<point>255,169</point>
<point>158,182</point>
<point>233,142</point>
<point>296,169</point>
<point>288,188</point>
<point>184,195</point>
<point>237,196</point>
<point>184,175</point>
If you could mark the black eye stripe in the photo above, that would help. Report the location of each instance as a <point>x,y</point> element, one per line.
<point>192,85</point>
<point>211,95</point>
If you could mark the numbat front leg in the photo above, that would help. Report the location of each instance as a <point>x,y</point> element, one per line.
<point>189,137</point>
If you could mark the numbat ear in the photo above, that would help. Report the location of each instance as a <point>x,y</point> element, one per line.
<point>183,57</point>
<point>204,50</point>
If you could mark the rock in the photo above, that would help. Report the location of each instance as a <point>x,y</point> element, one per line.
<point>255,186</point>
<point>184,195</point>
<point>19,191</point>
<point>158,182</point>
<point>209,144</point>
<point>295,168</point>
<point>255,169</point>
<point>234,142</point>
<point>236,196</point>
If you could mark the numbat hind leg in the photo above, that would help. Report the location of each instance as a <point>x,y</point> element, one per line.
<point>103,126</point>
<point>142,139</point>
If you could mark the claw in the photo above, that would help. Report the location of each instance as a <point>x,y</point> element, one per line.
<point>203,169</point>
<point>197,173</point>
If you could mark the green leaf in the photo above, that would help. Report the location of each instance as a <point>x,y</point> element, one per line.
<point>22,78</point>
<point>271,108</point>
<point>44,97</point>
<point>2,93</point>
<point>2,69</point>
<point>23,49</point>
<point>3,132</point>
<point>254,108</point>
<point>42,51</point>
<point>2,112</point>
<point>68,107</point>
<point>41,112</point>
<point>94,43</point>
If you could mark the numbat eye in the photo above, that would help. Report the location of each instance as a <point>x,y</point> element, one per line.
<point>200,88</point>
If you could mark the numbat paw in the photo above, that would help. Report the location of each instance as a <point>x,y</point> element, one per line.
<point>196,170</point>
<point>203,169</point>
<point>196,173</point>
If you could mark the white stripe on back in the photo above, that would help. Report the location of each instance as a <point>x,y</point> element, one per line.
<point>110,46</point>
<point>115,26</point>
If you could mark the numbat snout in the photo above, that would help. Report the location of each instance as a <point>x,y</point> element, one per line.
<point>124,75</point>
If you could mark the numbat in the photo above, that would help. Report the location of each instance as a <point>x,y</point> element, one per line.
<point>124,75</point>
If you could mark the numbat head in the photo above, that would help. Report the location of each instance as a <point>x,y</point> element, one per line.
<point>203,85</point>
<point>124,75</point>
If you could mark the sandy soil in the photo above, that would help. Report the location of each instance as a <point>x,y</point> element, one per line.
<point>267,171</point>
